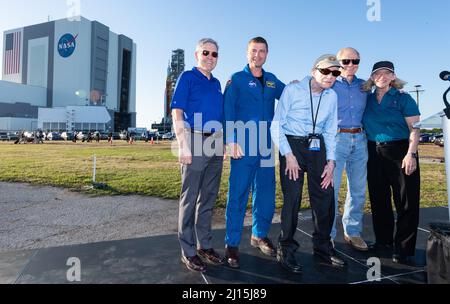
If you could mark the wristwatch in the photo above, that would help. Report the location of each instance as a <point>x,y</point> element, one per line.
<point>414,155</point>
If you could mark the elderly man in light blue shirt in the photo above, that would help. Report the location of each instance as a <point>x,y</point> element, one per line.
<point>351,151</point>
<point>304,128</point>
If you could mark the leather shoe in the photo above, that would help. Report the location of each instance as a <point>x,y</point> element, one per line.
<point>232,256</point>
<point>194,263</point>
<point>265,245</point>
<point>331,259</point>
<point>356,242</point>
<point>402,259</point>
<point>380,246</point>
<point>210,256</point>
<point>287,261</point>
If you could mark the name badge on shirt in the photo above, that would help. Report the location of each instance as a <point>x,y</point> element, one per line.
<point>252,84</point>
<point>314,142</point>
<point>271,84</point>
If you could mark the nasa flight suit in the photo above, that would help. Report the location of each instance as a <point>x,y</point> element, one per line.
<point>250,103</point>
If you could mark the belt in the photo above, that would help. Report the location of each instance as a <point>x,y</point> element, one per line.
<point>204,134</point>
<point>351,131</point>
<point>302,138</point>
<point>392,142</point>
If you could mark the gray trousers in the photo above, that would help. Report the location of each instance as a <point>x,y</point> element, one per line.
<point>200,183</point>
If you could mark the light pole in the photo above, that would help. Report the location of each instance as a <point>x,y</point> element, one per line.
<point>82,95</point>
<point>103,99</point>
<point>417,91</point>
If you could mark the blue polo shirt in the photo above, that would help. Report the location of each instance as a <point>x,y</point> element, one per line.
<point>196,94</point>
<point>385,121</point>
<point>351,102</point>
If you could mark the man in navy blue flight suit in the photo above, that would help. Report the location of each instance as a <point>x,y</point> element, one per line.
<point>249,103</point>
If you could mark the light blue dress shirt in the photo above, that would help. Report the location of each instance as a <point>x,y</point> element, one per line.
<point>293,116</point>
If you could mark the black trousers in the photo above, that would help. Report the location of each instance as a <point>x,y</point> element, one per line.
<point>322,201</point>
<point>387,180</point>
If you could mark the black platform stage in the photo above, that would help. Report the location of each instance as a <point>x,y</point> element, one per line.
<point>156,260</point>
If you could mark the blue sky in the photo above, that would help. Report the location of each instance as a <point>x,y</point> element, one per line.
<point>412,34</point>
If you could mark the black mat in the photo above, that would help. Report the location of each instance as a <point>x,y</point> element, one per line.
<point>156,260</point>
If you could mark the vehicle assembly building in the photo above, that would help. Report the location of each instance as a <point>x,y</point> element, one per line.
<point>67,75</point>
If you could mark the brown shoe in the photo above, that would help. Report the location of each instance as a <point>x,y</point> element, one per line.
<point>194,263</point>
<point>232,256</point>
<point>210,256</point>
<point>265,245</point>
<point>356,242</point>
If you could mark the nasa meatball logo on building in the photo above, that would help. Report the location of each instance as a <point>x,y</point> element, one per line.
<point>66,45</point>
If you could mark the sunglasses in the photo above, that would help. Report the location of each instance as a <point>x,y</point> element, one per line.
<point>328,72</point>
<point>354,61</point>
<point>214,54</point>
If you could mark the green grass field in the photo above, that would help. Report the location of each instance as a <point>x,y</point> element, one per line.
<point>151,170</point>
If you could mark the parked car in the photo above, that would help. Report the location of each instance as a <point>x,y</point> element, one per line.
<point>116,135</point>
<point>154,135</point>
<point>54,136</point>
<point>425,138</point>
<point>168,136</point>
<point>3,136</point>
<point>12,136</point>
<point>439,141</point>
<point>433,139</point>
<point>104,136</point>
<point>436,136</point>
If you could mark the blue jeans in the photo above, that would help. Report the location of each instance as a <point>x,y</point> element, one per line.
<point>351,155</point>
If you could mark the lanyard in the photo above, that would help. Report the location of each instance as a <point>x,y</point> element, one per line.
<point>314,120</point>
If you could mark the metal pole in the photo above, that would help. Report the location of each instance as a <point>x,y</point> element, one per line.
<point>417,91</point>
<point>446,127</point>
<point>418,105</point>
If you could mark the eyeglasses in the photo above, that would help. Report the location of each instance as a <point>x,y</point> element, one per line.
<point>214,54</point>
<point>354,61</point>
<point>335,73</point>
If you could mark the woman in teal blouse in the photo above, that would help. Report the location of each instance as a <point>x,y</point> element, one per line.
<point>391,123</point>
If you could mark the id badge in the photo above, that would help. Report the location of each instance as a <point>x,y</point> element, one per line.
<point>314,143</point>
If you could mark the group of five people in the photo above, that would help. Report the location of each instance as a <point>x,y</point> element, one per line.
<point>327,122</point>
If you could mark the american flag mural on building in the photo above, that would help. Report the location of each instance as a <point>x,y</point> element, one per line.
<point>13,44</point>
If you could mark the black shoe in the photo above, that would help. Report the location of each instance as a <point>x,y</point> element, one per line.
<point>211,256</point>
<point>331,259</point>
<point>232,256</point>
<point>402,259</point>
<point>194,263</point>
<point>380,247</point>
<point>287,261</point>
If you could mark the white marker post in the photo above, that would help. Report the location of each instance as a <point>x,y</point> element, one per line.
<point>446,127</point>
<point>94,169</point>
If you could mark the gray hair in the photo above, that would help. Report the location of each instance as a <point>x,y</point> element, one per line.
<point>339,54</point>
<point>204,41</point>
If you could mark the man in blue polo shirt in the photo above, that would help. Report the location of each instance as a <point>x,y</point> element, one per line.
<point>249,108</point>
<point>197,108</point>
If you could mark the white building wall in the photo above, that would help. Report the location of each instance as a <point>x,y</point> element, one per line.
<point>132,105</point>
<point>73,115</point>
<point>18,124</point>
<point>11,92</point>
<point>72,74</point>
<point>112,100</point>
